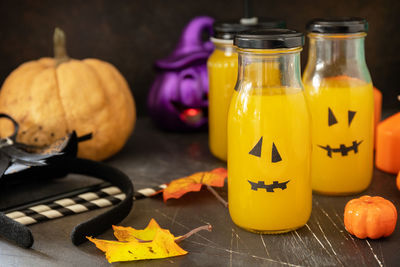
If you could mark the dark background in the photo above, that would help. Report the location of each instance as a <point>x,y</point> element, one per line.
<point>133,34</point>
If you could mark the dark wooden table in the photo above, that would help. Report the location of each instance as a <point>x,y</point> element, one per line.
<point>152,157</point>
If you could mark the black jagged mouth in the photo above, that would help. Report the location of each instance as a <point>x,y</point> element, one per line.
<point>268,187</point>
<point>343,149</point>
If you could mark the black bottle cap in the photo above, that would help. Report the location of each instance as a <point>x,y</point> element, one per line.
<point>268,23</point>
<point>269,39</point>
<point>228,29</point>
<point>338,25</point>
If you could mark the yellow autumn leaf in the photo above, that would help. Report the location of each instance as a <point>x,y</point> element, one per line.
<point>129,234</point>
<point>162,246</point>
<point>153,242</point>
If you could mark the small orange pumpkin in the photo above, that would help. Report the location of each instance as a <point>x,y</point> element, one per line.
<point>371,217</point>
<point>50,97</point>
<point>398,181</point>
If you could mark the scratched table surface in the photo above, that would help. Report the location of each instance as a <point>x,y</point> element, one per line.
<point>152,157</point>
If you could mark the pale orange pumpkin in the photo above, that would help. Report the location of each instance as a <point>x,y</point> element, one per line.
<point>50,97</point>
<point>371,217</point>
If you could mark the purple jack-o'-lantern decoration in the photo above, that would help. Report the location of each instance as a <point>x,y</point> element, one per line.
<point>178,96</point>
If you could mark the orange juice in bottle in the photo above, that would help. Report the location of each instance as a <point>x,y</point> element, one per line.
<point>222,75</point>
<point>222,72</point>
<point>269,143</point>
<point>339,92</point>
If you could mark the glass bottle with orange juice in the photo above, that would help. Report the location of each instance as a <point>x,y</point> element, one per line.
<point>222,73</point>
<point>339,92</point>
<point>269,143</point>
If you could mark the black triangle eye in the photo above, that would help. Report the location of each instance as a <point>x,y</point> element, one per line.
<point>256,150</point>
<point>331,118</point>
<point>351,115</point>
<point>276,157</point>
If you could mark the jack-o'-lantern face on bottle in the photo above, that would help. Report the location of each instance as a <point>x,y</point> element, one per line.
<point>269,149</point>
<point>342,135</point>
<point>343,149</point>
<point>275,158</point>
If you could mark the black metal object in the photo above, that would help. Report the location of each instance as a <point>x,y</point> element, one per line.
<point>57,160</point>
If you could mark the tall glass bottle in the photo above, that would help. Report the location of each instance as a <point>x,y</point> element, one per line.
<point>222,72</point>
<point>339,92</point>
<point>269,143</point>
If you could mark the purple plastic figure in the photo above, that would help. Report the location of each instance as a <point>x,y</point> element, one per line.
<point>178,98</point>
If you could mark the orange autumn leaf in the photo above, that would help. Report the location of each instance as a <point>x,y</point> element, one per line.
<point>151,243</point>
<point>194,182</point>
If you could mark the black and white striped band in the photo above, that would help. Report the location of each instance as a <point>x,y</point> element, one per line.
<point>102,198</point>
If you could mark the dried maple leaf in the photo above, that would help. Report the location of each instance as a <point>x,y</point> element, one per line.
<point>151,243</point>
<point>128,233</point>
<point>194,182</point>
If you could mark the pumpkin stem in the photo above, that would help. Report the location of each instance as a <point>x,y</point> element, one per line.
<point>60,51</point>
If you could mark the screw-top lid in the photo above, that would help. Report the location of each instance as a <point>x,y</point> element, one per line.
<point>338,25</point>
<point>268,23</point>
<point>269,39</point>
<point>228,29</point>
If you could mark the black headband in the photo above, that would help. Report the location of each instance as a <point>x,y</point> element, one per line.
<point>59,166</point>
